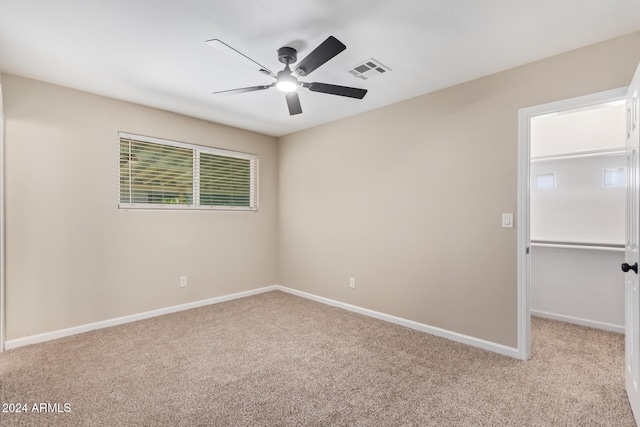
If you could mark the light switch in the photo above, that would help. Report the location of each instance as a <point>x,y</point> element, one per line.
<point>507,220</point>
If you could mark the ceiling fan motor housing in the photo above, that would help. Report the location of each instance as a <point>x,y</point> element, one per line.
<point>287,55</point>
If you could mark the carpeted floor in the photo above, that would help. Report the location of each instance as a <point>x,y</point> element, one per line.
<point>278,360</point>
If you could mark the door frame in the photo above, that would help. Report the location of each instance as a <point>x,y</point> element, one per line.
<point>3,299</point>
<point>524,188</point>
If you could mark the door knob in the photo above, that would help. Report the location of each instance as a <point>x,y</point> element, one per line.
<point>626,267</point>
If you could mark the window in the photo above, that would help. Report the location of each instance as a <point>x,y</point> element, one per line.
<point>545,181</point>
<point>614,177</point>
<point>156,173</point>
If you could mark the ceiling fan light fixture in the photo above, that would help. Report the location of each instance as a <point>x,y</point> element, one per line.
<point>286,82</point>
<point>287,86</point>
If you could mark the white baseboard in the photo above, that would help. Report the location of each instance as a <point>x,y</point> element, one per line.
<point>454,336</point>
<point>579,321</point>
<point>47,336</point>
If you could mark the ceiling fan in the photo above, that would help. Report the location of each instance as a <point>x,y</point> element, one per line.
<point>287,79</point>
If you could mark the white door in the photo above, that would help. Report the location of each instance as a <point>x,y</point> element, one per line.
<point>632,293</point>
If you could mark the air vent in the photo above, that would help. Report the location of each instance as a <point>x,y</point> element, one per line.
<point>368,69</point>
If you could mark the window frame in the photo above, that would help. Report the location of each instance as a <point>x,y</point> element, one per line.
<point>197,150</point>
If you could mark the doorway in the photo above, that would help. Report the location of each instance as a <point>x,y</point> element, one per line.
<point>526,117</point>
<point>577,216</point>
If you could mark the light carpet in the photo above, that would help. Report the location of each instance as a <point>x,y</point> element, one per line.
<point>279,360</point>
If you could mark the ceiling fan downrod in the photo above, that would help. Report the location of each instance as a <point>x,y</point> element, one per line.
<point>286,81</point>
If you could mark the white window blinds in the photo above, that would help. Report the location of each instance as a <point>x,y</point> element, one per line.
<point>157,173</point>
<point>224,181</point>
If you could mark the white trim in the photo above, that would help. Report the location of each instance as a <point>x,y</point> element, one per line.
<point>454,336</point>
<point>47,336</point>
<point>579,321</point>
<point>202,148</point>
<point>523,238</point>
<point>524,159</point>
<point>130,207</point>
<point>3,301</point>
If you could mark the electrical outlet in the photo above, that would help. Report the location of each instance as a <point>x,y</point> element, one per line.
<point>352,282</point>
<point>183,281</point>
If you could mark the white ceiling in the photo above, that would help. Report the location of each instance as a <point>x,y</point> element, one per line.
<point>153,52</point>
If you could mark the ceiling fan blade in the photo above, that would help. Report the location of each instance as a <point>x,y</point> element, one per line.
<point>243,90</point>
<point>321,54</point>
<point>351,92</point>
<point>239,56</point>
<point>293,102</point>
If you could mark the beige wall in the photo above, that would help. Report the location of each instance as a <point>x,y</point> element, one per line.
<point>73,257</point>
<point>408,198</point>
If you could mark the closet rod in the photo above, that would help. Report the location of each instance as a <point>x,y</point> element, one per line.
<point>578,245</point>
